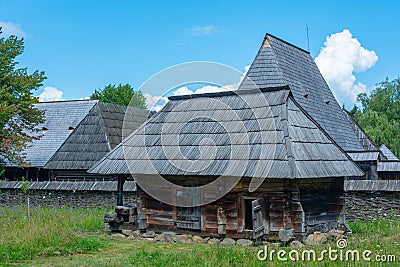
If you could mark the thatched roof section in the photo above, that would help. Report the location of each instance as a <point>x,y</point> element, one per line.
<point>99,132</point>
<point>60,117</point>
<point>279,63</point>
<point>229,134</point>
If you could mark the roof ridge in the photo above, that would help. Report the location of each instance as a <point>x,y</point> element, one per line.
<point>286,42</point>
<point>363,151</point>
<point>118,105</point>
<point>230,92</point>
<point>260,50</point>
<point>72,135</point>
<point>121,144</point>
<point>350,117</point>
<point>286,136</point>
<point>67,101</point>
<point>103,126</point>
<point>321,129</point>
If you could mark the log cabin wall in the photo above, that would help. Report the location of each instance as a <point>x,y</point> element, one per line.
<point>389,175</point>
<point>304,205</point>
<point>323,203</point>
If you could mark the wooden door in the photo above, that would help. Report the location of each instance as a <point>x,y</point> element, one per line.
<point>189,217</point>
<point>258,218</point>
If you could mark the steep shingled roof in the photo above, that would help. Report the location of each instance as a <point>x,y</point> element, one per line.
<point>225,134</point>
<point>387,153</point>
<point>98,133</point>
<point>60,116</point>
<point>365,140</point>
<point>279,63</point>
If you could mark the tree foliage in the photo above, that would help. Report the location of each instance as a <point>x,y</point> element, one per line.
<point>379,114</point>
<point>122,94</point>
<point>18,116</point>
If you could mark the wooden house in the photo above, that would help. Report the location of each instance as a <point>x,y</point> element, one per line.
<point>299,166</point>
<point>301,176</point>
<point>75,135</point>
<point>389,168</point>
<point>376,163</point>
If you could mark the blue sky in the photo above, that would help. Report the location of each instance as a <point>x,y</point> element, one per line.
<point>84,45</point>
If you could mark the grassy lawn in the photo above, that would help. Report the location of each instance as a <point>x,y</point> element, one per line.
<point>75,237</point>
<point>49,232</point>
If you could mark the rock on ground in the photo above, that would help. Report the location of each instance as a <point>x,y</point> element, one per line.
<point>136,233</point>
<point>296,244</point>
<point>286,235</point>
<point>228,241</point>
<point>198,239</point>
<point>182,239</point>
<point>213,241</point>
<point>244,242</point>
<point>127,232</point>
<point>149,234</point>
<point>117,235</point>
<point>316,238</point>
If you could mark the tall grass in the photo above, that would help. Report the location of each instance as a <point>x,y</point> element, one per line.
<point>382,226</point>
<point>48,232</point>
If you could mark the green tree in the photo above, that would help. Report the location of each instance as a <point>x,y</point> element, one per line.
<point>18,115</point>
<point>379,114</point>
<point>122,94</point>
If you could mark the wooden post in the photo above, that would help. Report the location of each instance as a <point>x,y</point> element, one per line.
<point>120,196</point>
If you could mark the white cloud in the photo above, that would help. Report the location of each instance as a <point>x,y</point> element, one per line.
<point>51,94</point>
<point>204,30</point>
<point>183,91</point>
<point>9,28</point>
<point>211,88</point>
<point>341,57</point>
<point>157,102</point>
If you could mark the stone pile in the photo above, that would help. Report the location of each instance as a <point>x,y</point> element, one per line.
<point>179,238</point>
<point>314,239</point>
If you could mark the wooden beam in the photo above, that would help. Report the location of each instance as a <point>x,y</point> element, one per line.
<point>120,195</point>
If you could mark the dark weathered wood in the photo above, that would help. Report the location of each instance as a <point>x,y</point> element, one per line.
<point>258,217</point>
<point>304,205</point>
<point>221,218</point>
<point>120,197</point>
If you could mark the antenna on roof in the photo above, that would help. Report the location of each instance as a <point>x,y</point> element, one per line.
<point>308,40</point>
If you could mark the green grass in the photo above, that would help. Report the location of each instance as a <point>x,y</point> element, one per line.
<point>79,236</point>
<point>49,231</point>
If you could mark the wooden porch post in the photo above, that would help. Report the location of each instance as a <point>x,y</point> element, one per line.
<point>120,196</point>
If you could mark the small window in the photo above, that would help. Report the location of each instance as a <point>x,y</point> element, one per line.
<point>327,102</point>
<point>306,96</point>
<point>71,129</point>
